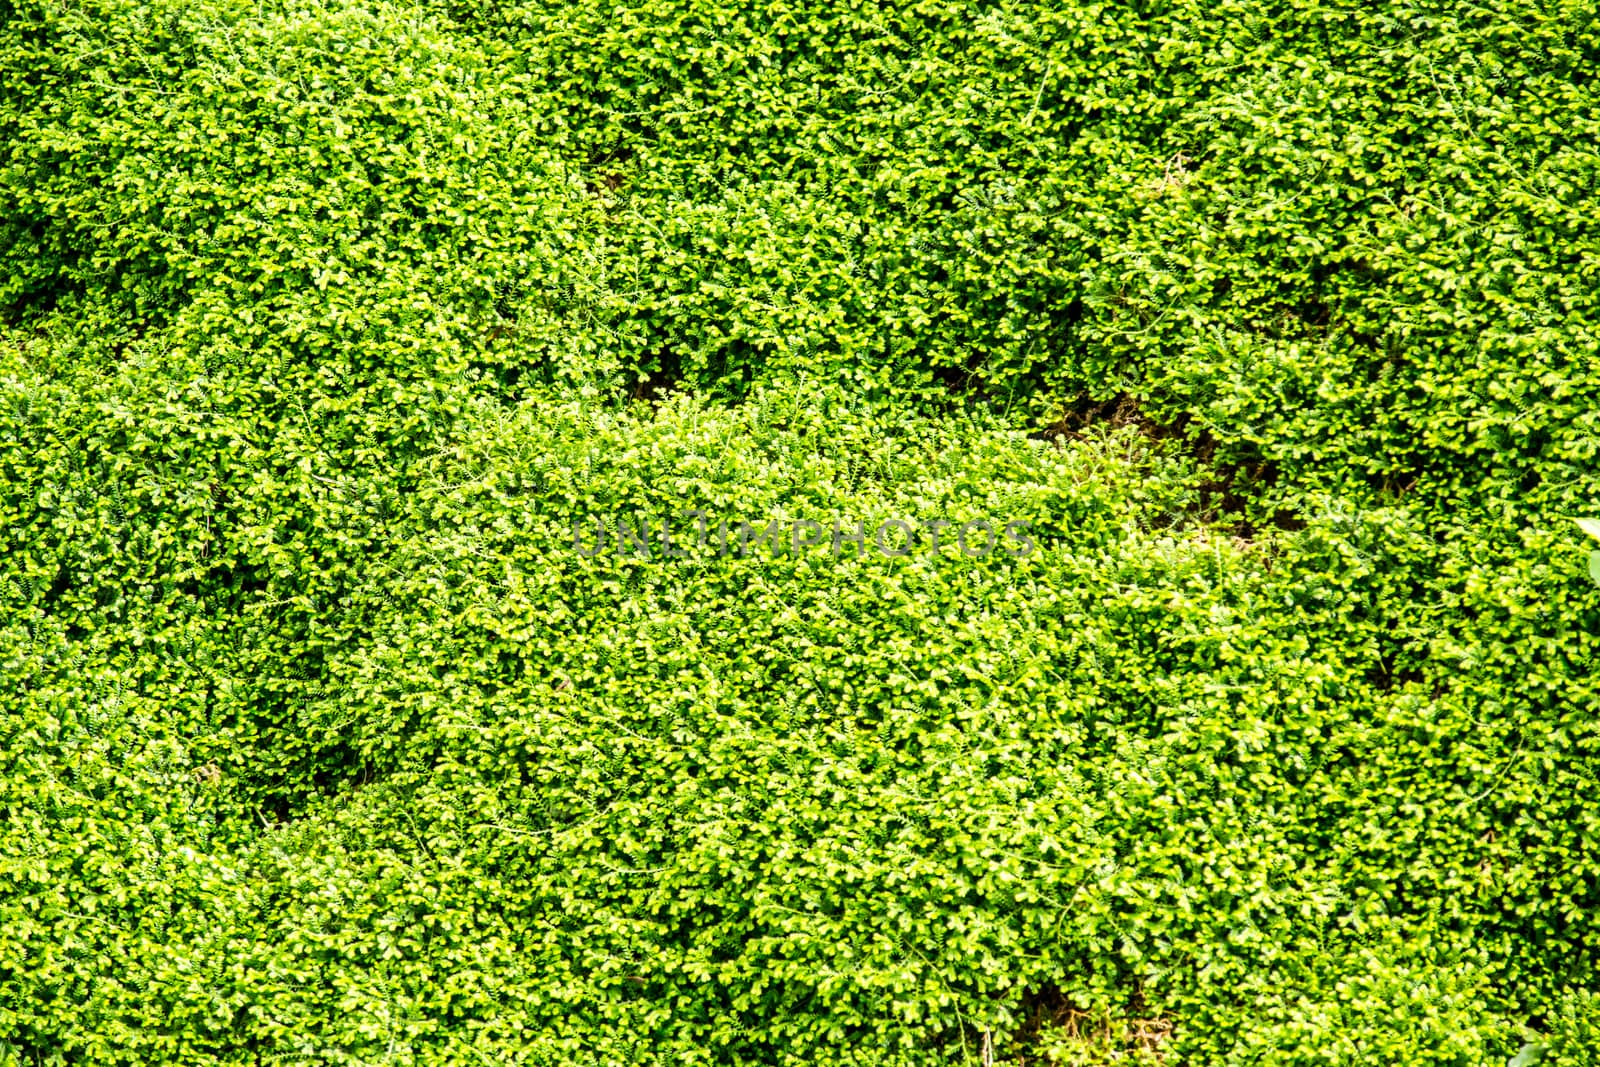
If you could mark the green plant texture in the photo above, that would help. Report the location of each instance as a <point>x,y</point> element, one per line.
<point>325,327</point>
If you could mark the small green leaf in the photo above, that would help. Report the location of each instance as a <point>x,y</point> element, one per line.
<point>1533,1051</point>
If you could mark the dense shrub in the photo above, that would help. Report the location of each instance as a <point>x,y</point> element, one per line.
<point>328,327</point>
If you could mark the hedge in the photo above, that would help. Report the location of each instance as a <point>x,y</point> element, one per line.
<point>329,329</point>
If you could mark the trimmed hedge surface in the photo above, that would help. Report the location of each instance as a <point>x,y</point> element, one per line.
<point>327,328</point>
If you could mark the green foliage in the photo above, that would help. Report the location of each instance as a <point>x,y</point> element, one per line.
<point>323,325</point>
<point>1574,1038</point>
